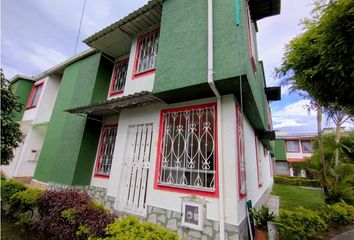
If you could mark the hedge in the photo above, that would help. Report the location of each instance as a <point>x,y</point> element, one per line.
<point>297,181</point>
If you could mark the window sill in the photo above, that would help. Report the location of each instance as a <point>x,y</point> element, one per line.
<point>113,94</point>
<point>101,176</point>
<point>204,193</point>
<point>142,74</point>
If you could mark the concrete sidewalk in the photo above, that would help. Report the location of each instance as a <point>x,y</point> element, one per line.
<point>349,235</point>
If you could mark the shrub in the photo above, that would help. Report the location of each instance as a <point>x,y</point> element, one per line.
<point>71,215</point>
<point>262,216</point>
<point>297,181</point>
<point>340,193</point>
<point>23,205</point>
<point>131,228</point>
<point>339,214</point>
<point>300,224</point>
<point>9,188</point>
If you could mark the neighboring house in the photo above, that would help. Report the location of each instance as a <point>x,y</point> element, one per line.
<point>169,119</point>
<point>291,148</point>
<point>37,96</point>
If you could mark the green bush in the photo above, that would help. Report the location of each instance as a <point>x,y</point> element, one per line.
<point>9,188</point>
<point>297,181</point>
<point>131,228</point>
<point>339,214</point>
<point>300,224</point>
<point>23,204</point>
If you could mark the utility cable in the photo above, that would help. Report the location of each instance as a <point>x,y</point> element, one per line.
<point>78,33</point>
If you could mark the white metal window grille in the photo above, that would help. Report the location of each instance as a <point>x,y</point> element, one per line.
<point>147,51</point>
<point>135,170</point>
<point>292,146</point>
<point>106,149</point>
<point>241,154</point>
<point>259,163</point>
<point>188,154</point>
<point>119,76</point>
<point>307,146</point>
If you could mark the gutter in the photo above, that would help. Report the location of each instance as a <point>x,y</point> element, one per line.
<point>219,115</point>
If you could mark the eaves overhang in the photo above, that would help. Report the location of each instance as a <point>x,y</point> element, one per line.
<point>116,39</point>
<point>264,8</point>
<point>114,106</point>
<point>273,93</point>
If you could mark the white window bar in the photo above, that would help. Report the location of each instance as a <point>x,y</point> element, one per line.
<point>259,163</point>
<point>188,157</point>
<point>105,156</point>
<point>241,154</point>
<point>147,51</point>
<point>119,76</point>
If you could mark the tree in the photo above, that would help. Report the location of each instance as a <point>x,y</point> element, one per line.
<point>10,130</point>
<point>320,60</point>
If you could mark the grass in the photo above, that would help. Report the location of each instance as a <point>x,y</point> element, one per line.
<point>295,196</point>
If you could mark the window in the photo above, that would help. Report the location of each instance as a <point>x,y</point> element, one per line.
<point>146,52</point>
<point>258,162</point>
<point>34,95</point>
<point>105,150</point>
<point>292,146</point>
<point>187,150</point>
<point>250,40</point>
<point>306,146</point>
<point>119,77</point>
<point>240,154</point>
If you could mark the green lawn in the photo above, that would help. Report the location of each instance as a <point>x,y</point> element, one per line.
<point>294,196</point>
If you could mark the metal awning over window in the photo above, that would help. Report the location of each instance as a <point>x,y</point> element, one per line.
<point>113,106</point>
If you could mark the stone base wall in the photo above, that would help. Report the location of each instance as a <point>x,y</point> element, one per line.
<point>169,219</point>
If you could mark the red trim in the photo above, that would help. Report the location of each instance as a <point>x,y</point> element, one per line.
<point>34,87</point>
<point>137,50</point>
<point>257,159</point>
<point>114,79</point>
<point>296,160</point>
<point>214,194</point>
<point>302,146</point>
<point>239,149</point>
<point>295,151</point>
<point>250,39</point>
<point>99,154</point>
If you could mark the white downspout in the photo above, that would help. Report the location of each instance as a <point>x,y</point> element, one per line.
<point>219,125</point>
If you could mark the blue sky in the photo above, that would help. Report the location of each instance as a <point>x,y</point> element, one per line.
<point>38,34</point>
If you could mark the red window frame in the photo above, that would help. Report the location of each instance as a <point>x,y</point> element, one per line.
<point>250,40</point>
<point>257,161</point>
<point>240,150</point>
<point>302,146</point>
<point>99,153</point>
<point>136,58</point>
<point>157,186</point>
<point>114,77</point>
<point>295,151</point>
<point>32,93</point>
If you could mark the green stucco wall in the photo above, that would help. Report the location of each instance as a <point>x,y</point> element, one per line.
<point>21,88</point>
<point>70,145</point>
<point>279,150</point>
<point>182,59</point>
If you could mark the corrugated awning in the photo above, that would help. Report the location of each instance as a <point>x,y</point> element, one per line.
<point>113,106</point>
<point>116,39</point>
<point>264,8</point>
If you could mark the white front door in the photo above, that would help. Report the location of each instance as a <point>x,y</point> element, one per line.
<point>135,170</point>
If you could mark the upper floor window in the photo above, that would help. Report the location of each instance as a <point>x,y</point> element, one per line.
<point>187,157</point>
<point>251,46</point>
<point>306,146</point>
<point>292,146</point>
<point>146,52</point>
<point>105,151</point>
<point>118,77</point>
<point>34,95</point>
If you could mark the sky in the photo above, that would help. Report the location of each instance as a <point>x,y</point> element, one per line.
<point>38,34</point>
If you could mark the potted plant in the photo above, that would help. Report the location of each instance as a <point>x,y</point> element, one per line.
<point>261,218</point>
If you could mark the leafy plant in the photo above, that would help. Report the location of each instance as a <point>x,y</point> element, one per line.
<point>71,215</point>
<point>9,188</point>
<point>262,216</point>
<point>300,224</point>
<point>131,228</point>
<point>339,214</point>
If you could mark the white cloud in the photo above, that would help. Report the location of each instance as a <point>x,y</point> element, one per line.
<point>44,58</point>
<point>287,123</point>
<point>298,108</point>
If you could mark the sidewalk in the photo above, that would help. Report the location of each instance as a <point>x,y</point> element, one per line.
<point>345,236</point>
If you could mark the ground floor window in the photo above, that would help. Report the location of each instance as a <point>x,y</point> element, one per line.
<point>187,148</point>
<point>241,164</point>
<point>105,151</point>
